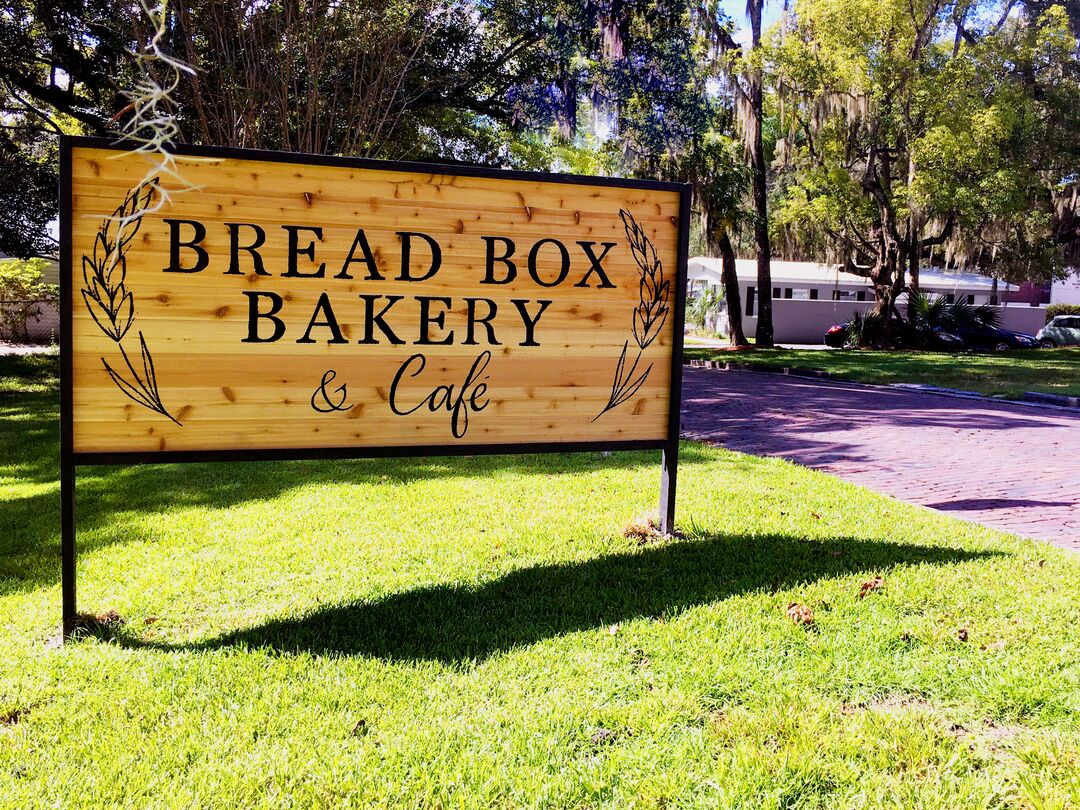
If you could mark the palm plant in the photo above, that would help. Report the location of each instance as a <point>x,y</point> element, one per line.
<point>987,315</point>
<point>930,314</point>
<point>707,303</point>
<point>865,329</point>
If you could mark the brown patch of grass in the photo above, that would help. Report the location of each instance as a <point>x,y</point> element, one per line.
<point>13,716</point>
<point>889,704</point>
<point>643,530</point>
<point>800,614</point>
<point>989,733</point>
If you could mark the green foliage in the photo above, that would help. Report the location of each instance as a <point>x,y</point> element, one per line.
<point>22,294</point>
<point>1003,374</point>
<point>865,330</point>
<point>29,177</point>
<point>898,132</point>
<point>1054,310</point>
<point>701,309</point>
<point>924,132</point>
<point>928,314</point>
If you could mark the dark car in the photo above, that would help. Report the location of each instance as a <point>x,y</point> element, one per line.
<point>943,341</point>
<point>939,340</point>
<point>990,337</point>
<point>836,336</point>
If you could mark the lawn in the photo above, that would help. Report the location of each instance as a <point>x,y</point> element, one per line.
<point>1004,374</point>
<point>479,632</point>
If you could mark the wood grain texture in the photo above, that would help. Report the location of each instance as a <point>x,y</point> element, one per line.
<point>218,392</point>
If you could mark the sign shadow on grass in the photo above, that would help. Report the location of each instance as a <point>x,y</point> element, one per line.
<point>461,622</point>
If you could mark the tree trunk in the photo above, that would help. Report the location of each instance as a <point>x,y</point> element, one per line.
<point>913,262</point>
<point>731,292</point>
<point>764,333</point>
<point>888,281</point>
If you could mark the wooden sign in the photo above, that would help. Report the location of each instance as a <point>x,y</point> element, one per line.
<point>285,306</point>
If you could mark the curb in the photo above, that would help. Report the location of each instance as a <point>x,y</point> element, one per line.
<point>1060,400</point>
<point>1031,399</point>
<point>726,365</point>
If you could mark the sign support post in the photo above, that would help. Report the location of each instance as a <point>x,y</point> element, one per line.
<point>67,459</point>
<point>67,544</point>
<point>669,462</point>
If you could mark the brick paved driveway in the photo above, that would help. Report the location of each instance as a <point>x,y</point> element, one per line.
<point>1009,466</point>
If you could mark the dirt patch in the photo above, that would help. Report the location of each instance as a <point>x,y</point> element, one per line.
<point>990,736</point>
<point>644,530</point>
<point>13,716</point>
<point>890,704</point>
<point>993,735</point>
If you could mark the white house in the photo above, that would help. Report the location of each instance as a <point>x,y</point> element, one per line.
<point>808,297</point>
<point>1066,291</point>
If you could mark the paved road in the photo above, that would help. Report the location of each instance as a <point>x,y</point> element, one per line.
<point>1009,466</point>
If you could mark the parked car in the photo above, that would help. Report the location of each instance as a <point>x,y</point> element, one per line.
<point>990,337</point>
<point>938,340</point>
<point>836,335</point>
<point>1063,330</point>
<point>942,341</point>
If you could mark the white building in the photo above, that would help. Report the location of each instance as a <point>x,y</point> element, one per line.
<point>1066,291</point>
<point>808,297</point>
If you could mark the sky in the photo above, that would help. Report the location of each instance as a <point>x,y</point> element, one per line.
<point>736,9</point>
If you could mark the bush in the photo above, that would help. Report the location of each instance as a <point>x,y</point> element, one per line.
<point>703,309</point>
<point>865,330</point>
<point>22,295</point>
<point>1054,310</point>
<point>928,315</point>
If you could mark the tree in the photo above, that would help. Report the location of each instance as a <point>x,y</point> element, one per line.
<point>375,78</point>
<point>28,199</point>
<point>22,294</point>
<point>1028,156</point>
<point>718,176</point>
<point>754,123</point>
<point>59,68</point>
<point>383,78</point>
<point>901,144</point>
<point>646,70</point>
<point>851,75</point>
<point>744,74</point>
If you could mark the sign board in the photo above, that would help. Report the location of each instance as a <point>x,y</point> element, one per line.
<point>292,306</point>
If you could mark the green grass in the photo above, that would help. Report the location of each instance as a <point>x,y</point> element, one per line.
<point>478,632</point>
<point>1004,374</point>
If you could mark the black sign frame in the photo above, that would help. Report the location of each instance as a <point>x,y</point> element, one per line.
<point>70,459</point>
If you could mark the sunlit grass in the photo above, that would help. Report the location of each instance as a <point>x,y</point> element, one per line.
<point>1003,374</point>
<point>478,632</point>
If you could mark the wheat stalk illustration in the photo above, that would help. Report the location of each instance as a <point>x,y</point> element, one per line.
<point>111,304</point>
<point>649,315</point>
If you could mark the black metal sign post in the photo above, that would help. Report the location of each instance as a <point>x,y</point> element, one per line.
<point>70,459</point>
<point>670,460</point>
<point>67,455</point>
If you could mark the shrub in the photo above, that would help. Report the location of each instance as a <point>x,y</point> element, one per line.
<point>865,330</point>
<point>22,295</point>
<point>1054,310</point>
<point>704,308</point>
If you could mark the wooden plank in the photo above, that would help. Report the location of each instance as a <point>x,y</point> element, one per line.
<point>576,347</point>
